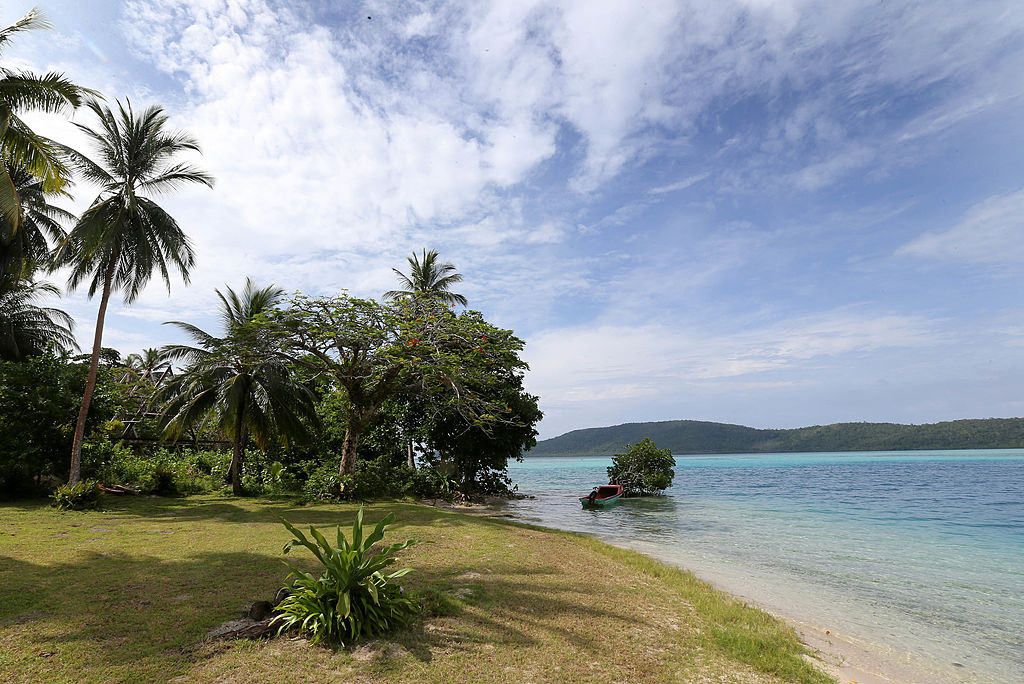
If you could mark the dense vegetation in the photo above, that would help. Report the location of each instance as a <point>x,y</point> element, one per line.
<point>699,437</point>
<point>325,397</point>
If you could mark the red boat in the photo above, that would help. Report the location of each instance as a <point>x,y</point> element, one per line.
<point>602,496</point>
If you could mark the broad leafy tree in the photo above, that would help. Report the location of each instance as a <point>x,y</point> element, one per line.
<point>478,455</point>
<point>239,380</point>
<point>39,399</point>
<point>377,351</point>
<point>124,235</point>
<point>430,277</point>
<point>20,147</point>
<point>643,470</point>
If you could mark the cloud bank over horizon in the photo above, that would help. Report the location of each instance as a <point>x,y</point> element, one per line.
<point>767,213</point>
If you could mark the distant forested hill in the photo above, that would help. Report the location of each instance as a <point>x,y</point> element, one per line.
<point>698,437</point>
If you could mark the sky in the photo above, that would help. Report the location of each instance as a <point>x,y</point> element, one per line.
<point>771,213</point>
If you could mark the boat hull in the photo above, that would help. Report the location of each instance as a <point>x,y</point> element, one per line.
<point>597,503</point>
<point>606,496</point>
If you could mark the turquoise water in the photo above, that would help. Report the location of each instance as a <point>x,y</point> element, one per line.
<point>918,556</point>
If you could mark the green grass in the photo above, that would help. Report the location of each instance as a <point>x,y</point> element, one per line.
<point>127,594</point>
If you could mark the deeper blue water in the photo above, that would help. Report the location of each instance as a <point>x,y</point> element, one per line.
<point>916,555</point>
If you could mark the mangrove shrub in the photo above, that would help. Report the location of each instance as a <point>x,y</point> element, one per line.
<point>643,470</point>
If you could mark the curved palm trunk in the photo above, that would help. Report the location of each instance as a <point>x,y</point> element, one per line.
<point>90,380</point>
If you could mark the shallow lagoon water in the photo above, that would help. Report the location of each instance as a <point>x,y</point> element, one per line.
<point>917,556</point>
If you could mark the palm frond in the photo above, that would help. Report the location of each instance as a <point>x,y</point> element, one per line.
<point>32,21</point>
<point>27,329</point>
<point>239,379</point>
<point>428,276</point>
<point>40,156</point>
<point>52,92</point>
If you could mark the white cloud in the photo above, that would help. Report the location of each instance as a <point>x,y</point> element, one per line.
<point>593,362</point>
<point>516,138</point>
<point>991,231</point>
<point>679,185</point>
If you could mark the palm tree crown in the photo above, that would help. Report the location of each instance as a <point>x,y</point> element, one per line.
<point>20,146</point>
<point>27,329</point>
<point>428,276</point>
<point>147,363</point>
<point>240,380</point>
<point>26,248</point>
<point>124,235</point>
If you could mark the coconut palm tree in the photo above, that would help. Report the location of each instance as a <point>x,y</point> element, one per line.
<point>147,363</point>
<point>431,278</point>
<point>20,146</point>
<point>27,247</point>
<point>240,380</point>
<point>124,236</point>
<point>27,329</point>
<point>428,276</point>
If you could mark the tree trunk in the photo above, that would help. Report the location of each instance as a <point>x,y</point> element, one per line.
<point>236,467</point>
<point>238,455</point>
<point>412,457</point>
<point>348,449</point>
<point>90,381</point>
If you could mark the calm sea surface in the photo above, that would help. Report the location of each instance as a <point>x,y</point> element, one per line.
<point>916,555</point>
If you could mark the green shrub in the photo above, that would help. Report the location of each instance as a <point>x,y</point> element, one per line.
<point>378,478</point>
<point>162,472</point>
<point>352,597</point>
<point>263,476</point>
<point>431,482</point>
<point>324,483</point>
<point>374,478</point>
<point>77,497</point>
<point>644,469</point>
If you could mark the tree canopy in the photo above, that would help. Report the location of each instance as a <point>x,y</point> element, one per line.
<point>373,351</point>
<point>643,470</point>
<point>21,148</point>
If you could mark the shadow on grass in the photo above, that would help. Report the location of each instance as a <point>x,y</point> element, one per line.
<point>511,607</point>
<point>116,610</point>
<point>121,614</point>
<point>256,510</point>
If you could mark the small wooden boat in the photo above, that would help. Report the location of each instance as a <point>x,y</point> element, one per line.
<point>602,496</point>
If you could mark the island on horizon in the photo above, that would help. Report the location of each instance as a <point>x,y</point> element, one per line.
<point>704,437</point>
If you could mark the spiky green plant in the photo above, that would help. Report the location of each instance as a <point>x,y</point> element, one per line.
<point>78,496</point>
<point>353,597</point>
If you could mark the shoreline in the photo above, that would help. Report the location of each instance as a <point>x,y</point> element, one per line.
<point>849,657</point>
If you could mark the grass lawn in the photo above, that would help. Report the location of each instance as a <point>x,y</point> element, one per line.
<point>128,594</point>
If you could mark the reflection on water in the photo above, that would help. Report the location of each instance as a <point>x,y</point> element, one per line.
<point>919,550</point>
